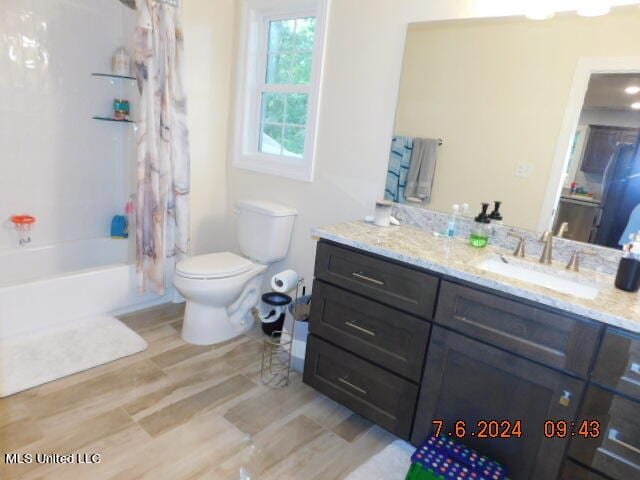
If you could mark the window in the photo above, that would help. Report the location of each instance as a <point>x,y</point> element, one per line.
<point>275,131</point>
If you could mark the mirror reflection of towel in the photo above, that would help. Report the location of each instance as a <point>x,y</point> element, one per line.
<point>399,163</point>
<point>422,170</point>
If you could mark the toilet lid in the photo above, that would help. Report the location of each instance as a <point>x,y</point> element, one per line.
<point>213,265</point>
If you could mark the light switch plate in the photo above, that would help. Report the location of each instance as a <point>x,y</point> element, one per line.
<point>524,169</point>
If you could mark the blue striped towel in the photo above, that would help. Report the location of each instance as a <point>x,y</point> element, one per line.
<point>399,163</point>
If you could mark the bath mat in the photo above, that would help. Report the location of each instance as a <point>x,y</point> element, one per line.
<point>32,360</point>
<point>392,463</point>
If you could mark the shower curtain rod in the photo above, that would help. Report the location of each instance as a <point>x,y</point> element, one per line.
<point>171,3</point>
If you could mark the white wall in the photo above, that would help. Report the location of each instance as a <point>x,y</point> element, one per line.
<point>209,29</point>
<point>363,58</point>
<point>57,163</point>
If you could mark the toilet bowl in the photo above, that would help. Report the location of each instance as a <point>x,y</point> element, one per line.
<point>222,288</point>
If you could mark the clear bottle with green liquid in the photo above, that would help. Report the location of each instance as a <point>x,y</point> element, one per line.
<point>479,237</point>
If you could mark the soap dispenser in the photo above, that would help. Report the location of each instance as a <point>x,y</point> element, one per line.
<point>496,216</point>
<point>480,229</point>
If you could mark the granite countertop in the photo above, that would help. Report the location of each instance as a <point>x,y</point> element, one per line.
<point>456,258</point>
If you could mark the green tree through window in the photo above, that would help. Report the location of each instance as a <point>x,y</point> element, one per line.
<point>285,98</point>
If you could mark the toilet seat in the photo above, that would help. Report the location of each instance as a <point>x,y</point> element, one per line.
<point>213,266</point>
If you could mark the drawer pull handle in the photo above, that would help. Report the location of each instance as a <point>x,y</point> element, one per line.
<point>360,329</point>
<point>635,368</point>
<point>362,276</point>
<point>349,384</point>
<point>613,436</point>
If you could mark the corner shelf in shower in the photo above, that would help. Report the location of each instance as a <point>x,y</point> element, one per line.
<point>109,119</point>
<point>111,75</point>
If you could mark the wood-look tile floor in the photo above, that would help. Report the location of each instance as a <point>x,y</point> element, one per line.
<point>178,411</point>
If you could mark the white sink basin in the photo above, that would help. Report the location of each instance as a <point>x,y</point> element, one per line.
<point>537,274</point>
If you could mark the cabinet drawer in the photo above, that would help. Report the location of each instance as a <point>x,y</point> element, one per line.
<point>573,471</point>
<point>390,338</point>
<point>374,393</point>
<point>618,364</point>
<point>616,452</point>
<point>400,287</point>
<point>466,380</point>
<point>549,338</point>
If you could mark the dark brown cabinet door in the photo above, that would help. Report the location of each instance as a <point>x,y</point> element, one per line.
<point>374,393</point>
<point>398,286</point>
<point>573,471</point>
<point>470,381</point>
<point>618,364</point>
<point>602,144</point>
<point>392,339</point>
<point>547,337</point>
<point>616,450</point>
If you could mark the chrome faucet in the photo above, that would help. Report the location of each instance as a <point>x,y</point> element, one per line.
<point>519,251</point>
<point>547,252</point>
<point>574,263</point>
<point>563,230</point>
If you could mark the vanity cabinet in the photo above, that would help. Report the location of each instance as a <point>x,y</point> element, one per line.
<point>369,331</point>
<point>573,471</point>
<point>376,394</point>
<point>401,287</point>
<point>618,364</point>
<point>616,450</point>
<point>613,400</point>
<point>394,340</point>
<point>547,337</point>
<point>470,381</point>
<point>403,347</point>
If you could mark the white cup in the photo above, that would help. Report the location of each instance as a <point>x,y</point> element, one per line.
<point>382,216</point>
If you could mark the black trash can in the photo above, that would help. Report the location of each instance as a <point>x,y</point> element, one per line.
<point>273,310</point>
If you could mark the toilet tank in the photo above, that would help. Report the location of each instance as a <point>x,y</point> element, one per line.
<point>264,229</point>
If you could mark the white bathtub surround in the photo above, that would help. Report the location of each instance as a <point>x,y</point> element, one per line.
<point>162,214</point>
<point>44,287</point>
<point>20,265</point>
<point>31,360</point>
<point>392,463</point>
<point>58,164</point>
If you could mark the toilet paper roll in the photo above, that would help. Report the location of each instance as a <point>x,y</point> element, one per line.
<point>284,281</point>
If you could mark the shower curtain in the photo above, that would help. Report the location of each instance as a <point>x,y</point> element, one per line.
<point>162,211</point>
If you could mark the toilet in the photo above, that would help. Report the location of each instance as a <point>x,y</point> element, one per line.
<point>222,288</point>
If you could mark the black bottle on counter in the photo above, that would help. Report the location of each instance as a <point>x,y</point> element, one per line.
<point>628,277</point>
<point>496,216</point>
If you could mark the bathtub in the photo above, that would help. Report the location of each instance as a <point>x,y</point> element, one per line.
<point>45,286</point>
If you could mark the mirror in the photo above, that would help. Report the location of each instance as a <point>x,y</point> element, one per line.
<point>520,111</point>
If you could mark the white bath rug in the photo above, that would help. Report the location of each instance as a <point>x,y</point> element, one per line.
<point>392,463</point>
<point>32,360</point>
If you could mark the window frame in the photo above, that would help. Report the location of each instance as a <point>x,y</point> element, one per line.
<point>257,16</point>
